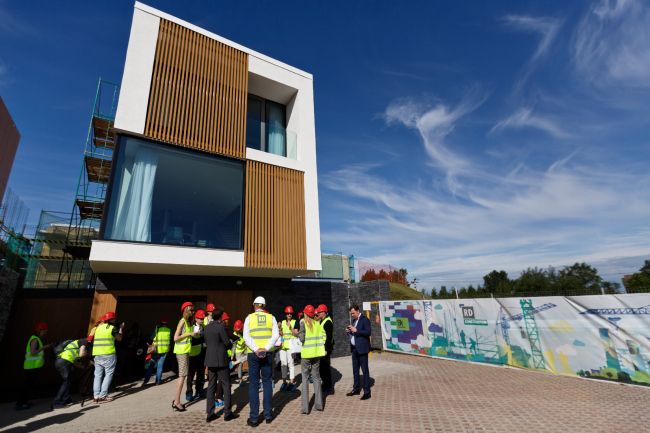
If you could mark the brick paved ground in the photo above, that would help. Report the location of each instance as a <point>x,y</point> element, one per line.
<point>410,394</point>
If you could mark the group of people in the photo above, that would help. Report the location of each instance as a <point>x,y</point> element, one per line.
<point>203,342</point>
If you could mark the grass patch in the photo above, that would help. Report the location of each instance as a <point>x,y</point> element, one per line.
<point>399,292</point>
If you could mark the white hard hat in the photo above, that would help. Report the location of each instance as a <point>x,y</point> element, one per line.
<point>259,300</point>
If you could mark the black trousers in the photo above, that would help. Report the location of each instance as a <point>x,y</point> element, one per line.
<point>30,381</point>
<point>360,361</point>
<point>197,368</point>
<point>326,371</point>
<point>223,374</point>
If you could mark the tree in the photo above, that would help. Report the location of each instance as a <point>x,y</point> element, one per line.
<point>443,294</point>
<point>471,291</point>
<point>638,281</point>
<point>645,269</point>
<point>579,276</point>
<point>462,293</point>
<point>608,287</point>
<point>497,282</point>
<point>532,280</point>
<point>404,273</point>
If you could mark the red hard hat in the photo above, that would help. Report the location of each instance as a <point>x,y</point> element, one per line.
<point>309,310</point>
<point>210,307</point>
<point>41,327</point>
<point>164,320</point>
<point>185,305</point>
<point>225,316</point>
<point>200,314</point>
<point>288,310</point>
<point>108,316</point>
<point>321,307</point>
<point>300,313</point>
<point>238,325</point>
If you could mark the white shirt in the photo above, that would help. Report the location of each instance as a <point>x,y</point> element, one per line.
<point>351,333</point>
<point>251,343</point>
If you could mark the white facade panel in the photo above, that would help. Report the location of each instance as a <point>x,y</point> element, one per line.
<point>136,82</point>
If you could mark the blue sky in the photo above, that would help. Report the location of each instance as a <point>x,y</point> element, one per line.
<point>453,137</point>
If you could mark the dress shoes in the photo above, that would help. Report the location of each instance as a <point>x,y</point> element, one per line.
<point>350,394</point>
<point>253,424</point>
<point>211,417</point>
<point>230,416</point>
<point>366,396</point>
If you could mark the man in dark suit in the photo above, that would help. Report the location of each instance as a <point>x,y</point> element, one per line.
<point>218,363</point>
<point>359,333</point>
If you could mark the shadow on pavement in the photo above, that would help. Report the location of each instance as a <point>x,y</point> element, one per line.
<point>50,420</point>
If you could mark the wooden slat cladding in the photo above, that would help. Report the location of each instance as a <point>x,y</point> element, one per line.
<point>198,92</point>
<point>275,217</point>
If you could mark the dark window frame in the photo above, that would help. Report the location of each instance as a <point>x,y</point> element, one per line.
<point>111,180</point>
<point>263,120</point>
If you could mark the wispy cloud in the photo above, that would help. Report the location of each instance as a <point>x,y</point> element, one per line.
<point>13,25</point>
<point>525,117</point>
<point>546,27</point>
<point>612,44</point>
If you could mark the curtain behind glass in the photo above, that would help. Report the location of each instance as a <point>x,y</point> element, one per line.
<point>275,114</point>
<point>134,214</point>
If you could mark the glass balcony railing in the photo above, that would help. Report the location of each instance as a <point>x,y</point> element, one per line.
<point>271,138</point>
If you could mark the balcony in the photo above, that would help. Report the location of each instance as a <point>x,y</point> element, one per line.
<point>271,138</point>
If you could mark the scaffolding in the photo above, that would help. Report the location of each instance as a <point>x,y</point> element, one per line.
<point>88,206</point>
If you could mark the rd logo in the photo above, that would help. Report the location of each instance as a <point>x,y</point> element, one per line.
<point>468,312</point>
<point>261,319</point>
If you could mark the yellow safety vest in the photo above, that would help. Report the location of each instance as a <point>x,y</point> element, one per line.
<point>260,326</point>
<point>104,341</point>
<point>327,319</point>
<point>91,331</point>
<point>287,332</point>
<point>163,339</point>
<point>184,345</point>
<point>314,345</point>
<point>36,361</point>
<point>71,352</point>
<point>241,345</point>
<point>196,346</point>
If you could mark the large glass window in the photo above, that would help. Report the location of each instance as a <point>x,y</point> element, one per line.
<point>171,196</point>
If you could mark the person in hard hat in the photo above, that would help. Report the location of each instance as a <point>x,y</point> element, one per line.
<point>105,359</point>
<point>233,339</point>
<point>161,338</point>
<point>72,356</point>
<point>260,335</point>
<point>286,360</point>
<point>209,310</point>
<point>183,344</point>
<point>239,350</point>
<point>34,360</point>
<point>325,363</point>
<point>313,348</point>
<point>197,359</point>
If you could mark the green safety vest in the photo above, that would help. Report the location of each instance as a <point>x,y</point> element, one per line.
<point>71,351</point>
<point>260,326</point>
<point>314,345</point>
<point>327,319</point>
<point>287,332</point>
<point>241,345</point>
<point>163,339</point>
<point>36,361</point>
<point>184,345</point>
<point>196,347</point>
<point>104,341</point>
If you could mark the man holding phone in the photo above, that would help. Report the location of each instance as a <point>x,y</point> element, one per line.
<point>359,333</point>
<point>260,335</point>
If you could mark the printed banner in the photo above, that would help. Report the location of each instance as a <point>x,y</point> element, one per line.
<point>598,337</point>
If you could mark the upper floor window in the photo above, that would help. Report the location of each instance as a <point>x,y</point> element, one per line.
<point>266,124</point>
<point>160,194</point>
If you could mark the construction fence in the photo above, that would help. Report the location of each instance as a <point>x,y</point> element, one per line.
<point>373,271</point>
<point>602,337</point>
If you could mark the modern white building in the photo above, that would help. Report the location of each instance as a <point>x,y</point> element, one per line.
<point>214,169</point>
